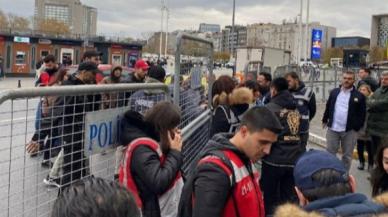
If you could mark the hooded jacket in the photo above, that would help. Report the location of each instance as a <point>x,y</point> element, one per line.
<point>288,148</point>
<point>236,104</point>
<point>150,177</point>
<point>212,187</point>
<point>378,113</point>
<point>351,205</point>
<point>142,100</point>
<point>111,100</point>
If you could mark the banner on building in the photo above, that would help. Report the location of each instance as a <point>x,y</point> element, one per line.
<point>316,47</point>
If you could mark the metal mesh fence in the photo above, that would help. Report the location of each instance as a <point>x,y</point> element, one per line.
<point>66,141</point>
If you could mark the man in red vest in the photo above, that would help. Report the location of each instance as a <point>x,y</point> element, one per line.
<point>225,183</point>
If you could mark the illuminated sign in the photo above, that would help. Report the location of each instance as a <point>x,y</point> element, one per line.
<point>316,44</point>
<point>21,39</point>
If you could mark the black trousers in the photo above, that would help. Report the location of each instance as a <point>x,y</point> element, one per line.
<point>277,184</point>
<point>361,146</point>
<point>74,162</point>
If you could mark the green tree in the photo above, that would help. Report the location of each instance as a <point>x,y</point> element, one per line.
<point>332,53</point>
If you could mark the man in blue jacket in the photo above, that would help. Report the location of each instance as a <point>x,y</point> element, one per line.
<point>324,185</point>
<point>344,116</point>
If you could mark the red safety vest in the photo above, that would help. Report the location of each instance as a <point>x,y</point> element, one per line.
<point>169,200</point>
<point>247,199</point>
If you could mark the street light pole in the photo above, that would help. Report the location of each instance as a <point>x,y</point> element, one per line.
<point>161,30</point>
<point>232,33</point>
<point>300,41</point>
<point>307,42</point>
<point>166,45</point>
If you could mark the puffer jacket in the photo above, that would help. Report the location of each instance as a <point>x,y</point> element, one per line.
<point>378,113</point>
<point>236,104</point>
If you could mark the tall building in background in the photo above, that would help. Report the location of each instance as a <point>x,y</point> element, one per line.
<point>213,28</point>
<point>238,38</point>
<point>81,19</point>
<point>379,36</point>
<point>286,36</point>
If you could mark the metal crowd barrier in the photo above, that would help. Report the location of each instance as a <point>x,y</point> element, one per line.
<point>91,117</point>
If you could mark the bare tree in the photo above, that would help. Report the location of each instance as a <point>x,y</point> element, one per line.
<point>18,23</point>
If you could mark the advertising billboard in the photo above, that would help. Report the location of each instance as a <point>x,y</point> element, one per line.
<point>316,44</point>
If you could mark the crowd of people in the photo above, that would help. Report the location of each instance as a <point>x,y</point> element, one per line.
<point>255,164</point>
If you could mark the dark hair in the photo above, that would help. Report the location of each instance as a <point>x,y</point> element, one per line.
<point>367,70</point>
<point>293,75</point>
<point>223,84</point>
<point>157,72</point>
<point>350,73</point>
<point>252,85</point>
<point>260,118</point>
<point>112,73</point>
<point>266,75</point>
<point>49,58</point>
<point>329,185</point>
<point>379,175</point>
<point>280,84</point>
<point>95,197</point>
<point>163,117</point>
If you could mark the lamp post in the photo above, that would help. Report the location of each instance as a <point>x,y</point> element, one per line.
<point>232,33</point>
<point>161,29</point>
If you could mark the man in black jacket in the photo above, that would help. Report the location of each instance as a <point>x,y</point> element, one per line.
<point>277,172</point>
<point>366,78</point>
<point>211,186</point>
<point>264,79</point>
<point>306,104</point>
<point>344,116</point>
<point>69,114</point>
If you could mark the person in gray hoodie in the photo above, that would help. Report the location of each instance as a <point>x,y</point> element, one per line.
<point>142,100</point>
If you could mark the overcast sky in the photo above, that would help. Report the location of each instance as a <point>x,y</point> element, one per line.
<point>133,17</point>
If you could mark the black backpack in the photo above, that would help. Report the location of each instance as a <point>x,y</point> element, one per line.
<point>185,208</point>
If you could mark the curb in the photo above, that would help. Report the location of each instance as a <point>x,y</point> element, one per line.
<point>321,142</point>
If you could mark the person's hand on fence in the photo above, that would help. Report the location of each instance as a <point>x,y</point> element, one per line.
<point>175,139</point>
<point>32,147</point>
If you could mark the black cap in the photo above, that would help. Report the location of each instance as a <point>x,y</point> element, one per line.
<point>157,72</point>
<point>91,53</point>
<point>88,66</point>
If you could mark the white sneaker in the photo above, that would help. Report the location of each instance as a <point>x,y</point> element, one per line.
<point>50,181</point>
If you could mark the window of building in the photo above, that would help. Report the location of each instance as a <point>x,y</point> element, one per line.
<point>20,58</point>
<point>44,53</point>
<point>57,12</point>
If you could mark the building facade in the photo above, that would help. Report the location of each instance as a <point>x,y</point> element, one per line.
<point>379,32</point>
<point>81,19</point>
<point>286,36</point>
<point>238,38</point>
<point>213,28</point>
<point>350,42</point>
